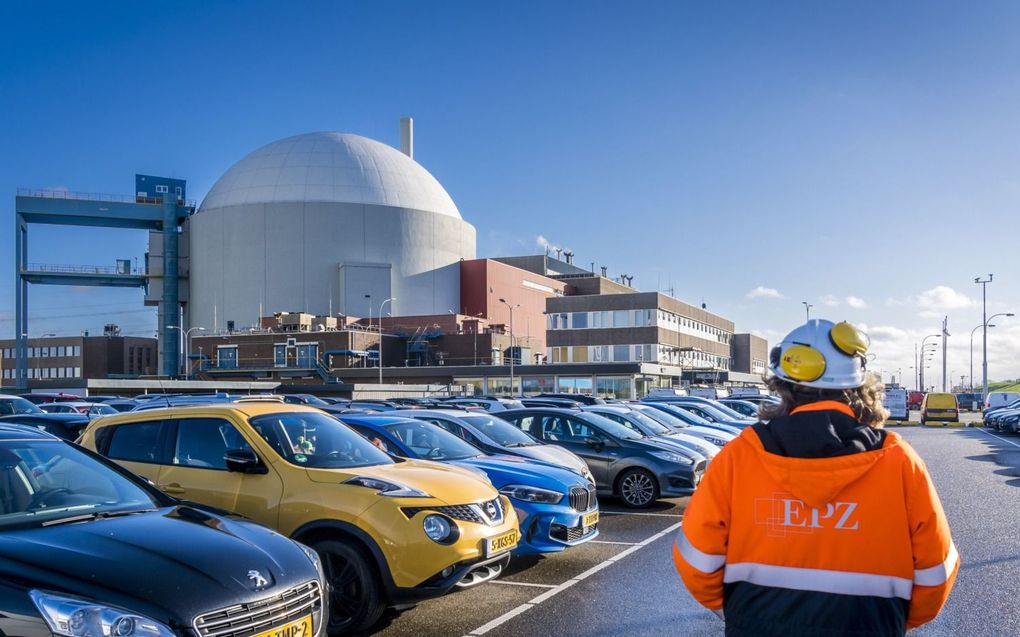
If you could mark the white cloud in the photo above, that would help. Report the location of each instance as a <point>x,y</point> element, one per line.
<point>762,292</point>
<point>829,300</point>
<point>942,297</point>
<point>856,302</point>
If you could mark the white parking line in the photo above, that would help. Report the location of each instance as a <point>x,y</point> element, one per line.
<point>608,542</point>
<point>509,583</point>
<point>549,594</point>
<point>651,515</point>
<point>1008,442</point>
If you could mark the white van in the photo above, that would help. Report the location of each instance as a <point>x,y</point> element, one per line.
<point>1000,398</point>
<point>896,402</point>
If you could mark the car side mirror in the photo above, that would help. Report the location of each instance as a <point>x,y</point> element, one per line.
<point>244,461</point>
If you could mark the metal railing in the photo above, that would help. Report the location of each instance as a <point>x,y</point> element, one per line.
<point>60,193</point>
<point>83,269</point>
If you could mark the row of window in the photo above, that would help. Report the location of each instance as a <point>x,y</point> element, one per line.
<point>636,318</point>
<point>644,353</point>
<point>607,386</point>
<point>47,372</point>
<point>51,351</point>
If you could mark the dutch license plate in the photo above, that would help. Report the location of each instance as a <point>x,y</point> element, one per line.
<point>299,628</point>
<point>590,519</point>
<point>501,543</point>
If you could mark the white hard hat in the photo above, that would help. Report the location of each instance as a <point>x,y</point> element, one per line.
<point>822,354</point>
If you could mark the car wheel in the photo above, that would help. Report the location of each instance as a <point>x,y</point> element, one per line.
<point>638,488</point>
<point>355,600</point>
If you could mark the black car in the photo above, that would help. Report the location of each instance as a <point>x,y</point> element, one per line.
<point>87,549</point>
<point>63,426</point>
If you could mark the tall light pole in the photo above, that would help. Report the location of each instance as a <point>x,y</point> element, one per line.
<point>923,353</point>
<point>984,335</point>
<point>511,307</point>
<point>807,309</point>
<point>187,346</point>
<point>945,343</point>
<point>381,306</point>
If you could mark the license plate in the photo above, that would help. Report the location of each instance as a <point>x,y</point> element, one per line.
<point>501,543</point>
<point>299,628</point>
<point>590,519</point>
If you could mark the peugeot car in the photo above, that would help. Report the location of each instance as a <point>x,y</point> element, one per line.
<point>89,550</point>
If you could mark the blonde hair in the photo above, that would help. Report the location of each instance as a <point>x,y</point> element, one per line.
<point>865,401</point>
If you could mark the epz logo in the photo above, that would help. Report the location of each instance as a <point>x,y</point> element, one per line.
<point>783,514</point>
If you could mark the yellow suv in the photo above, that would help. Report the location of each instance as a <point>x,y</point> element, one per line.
<point>390,531</point>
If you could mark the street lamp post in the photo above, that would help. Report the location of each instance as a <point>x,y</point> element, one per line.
<point>807,309</point>
<point>511,307</point>
<point>923,341</point>
<point>381,306</point>
<point>984,335</point>
<point>986,324</point>
<point>187,346</point>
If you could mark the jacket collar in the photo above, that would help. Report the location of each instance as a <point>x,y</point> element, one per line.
<point>825,405</point>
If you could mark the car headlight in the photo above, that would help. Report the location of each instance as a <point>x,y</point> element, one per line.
<point>531,494</point>
<point>76,617</point>
<point>669,456</point>
<point>385,487</point>
<point>439,529</point>
<point>312,556</point>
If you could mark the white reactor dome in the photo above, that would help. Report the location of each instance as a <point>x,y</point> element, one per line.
<point>330,167</point>
<point>325,223</point>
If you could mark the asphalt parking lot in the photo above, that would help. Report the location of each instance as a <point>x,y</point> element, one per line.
<point>624,583</point>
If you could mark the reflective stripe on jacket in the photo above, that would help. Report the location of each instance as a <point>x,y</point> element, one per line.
<point>850,544</point>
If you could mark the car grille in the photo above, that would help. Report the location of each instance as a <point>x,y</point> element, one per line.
<point>570,534</point>
<point>582,498</point>
<point>477,513</point>
<point>244,620</point>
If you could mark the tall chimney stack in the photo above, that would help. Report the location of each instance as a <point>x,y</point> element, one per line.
<point>407,136</point>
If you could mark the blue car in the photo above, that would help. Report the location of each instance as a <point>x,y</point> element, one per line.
<point>557,508</point>
<point>693,419</point>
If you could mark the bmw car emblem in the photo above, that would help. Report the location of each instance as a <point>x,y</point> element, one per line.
<point>257,579</point>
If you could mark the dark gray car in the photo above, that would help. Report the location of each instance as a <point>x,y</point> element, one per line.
<point>638,470</point>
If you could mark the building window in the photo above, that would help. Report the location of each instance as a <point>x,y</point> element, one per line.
<point>226,356</point>
<point>538,384</point>
<point>614,387</point>
<point>162,189</point>
<point>77,350</point>
<point>580,320</point>
<point>280,355</point>
<point>579,354</point>
<point>575,385</point>
<point>621,353</point>
<point>77,372</point>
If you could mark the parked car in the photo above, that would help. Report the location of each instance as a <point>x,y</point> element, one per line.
<point>336,402</point>
<point>491,405</point>
<point>16,405</point>
<point>970,401</point>
<point>563,403</point>
<point>584,399</point>
<point>556,508</point>
<point>651,428</point>
<point>390,532</point>
<point>624,464</point>
<point>996,418</point>
<point>497,436</point>
<point>39,398</point>
<point>126,404</point>
<point>374,405</point>
<point>743,407</point>
<point>92,410</point>
<point>164,402</point>
<point>914,399</point>
<point>711,411</point>
<point>1000,398</point>
<point>88,549</point>
<point>64,426</point>
<point>693,419</point>
<point>758,399</point>
<point>939,407</point>
<point>710,434</point>
<point>417,403</point>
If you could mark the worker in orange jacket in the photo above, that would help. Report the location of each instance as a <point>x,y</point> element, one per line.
<point>816,521</point>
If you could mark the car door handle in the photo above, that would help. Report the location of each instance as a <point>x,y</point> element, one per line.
<point>173,488</point>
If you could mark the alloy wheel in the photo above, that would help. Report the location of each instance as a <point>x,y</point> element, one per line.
<point>637,489</point>
<point>346,594</point>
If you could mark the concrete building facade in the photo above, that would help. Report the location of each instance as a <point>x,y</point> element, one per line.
<point>65,362</point>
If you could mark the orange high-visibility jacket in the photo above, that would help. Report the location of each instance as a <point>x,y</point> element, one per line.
<point>850,544</point>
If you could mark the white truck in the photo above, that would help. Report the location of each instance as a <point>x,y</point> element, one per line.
<point>896,402</point>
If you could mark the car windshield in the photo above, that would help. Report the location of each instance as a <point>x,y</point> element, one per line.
<point>610,427</point>
<point>315,401</point>
<point>689,417</point>
<point>650,424</point>
<point>313,439</point>
<point>15,406</point>
<point>431,442</point>
<point>726,412</point>
<point>44,481</point>
<point>500,431</point>
<point>713,414</point>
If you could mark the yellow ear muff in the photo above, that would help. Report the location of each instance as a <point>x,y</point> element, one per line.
<point>803,363</point>
<point>848,339</point>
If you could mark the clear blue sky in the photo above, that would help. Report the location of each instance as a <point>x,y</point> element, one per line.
<point>862,156</point>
